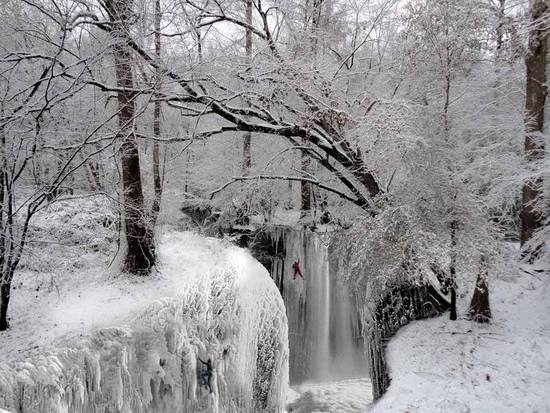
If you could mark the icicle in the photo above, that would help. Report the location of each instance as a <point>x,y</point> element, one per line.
<point>150,365</point>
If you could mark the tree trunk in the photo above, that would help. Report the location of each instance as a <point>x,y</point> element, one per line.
<point>500,30</point>
<point>157,179</point>
<point>247,153</point>
<point>289,200</point>
<point>140,255</point>
<point>480,310</point>
<point>93,168</point>
<point>452,270</point>
<point>306,187</point>
<point>247,136</point>
<point>535,98</point>
<point>5,284</point>
<point>4,301</point>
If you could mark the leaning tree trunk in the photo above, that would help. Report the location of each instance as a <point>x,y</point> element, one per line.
<point>535,98</point>
<point>480,309</point>
<point>140,255</point>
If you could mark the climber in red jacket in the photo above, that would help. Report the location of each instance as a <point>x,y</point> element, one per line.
<point>296,268</point>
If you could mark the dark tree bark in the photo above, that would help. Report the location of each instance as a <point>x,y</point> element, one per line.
<point>247,153</point>
<point>480,309</point>
<point>5,279</point>
<point>140,255</point>
<point>157,179</point>
<point>535,98</point>
<point>93,172</point>
<point>306,188</point>
<point>4,302</point>
<point>247,136</point>
<point>452,270</point>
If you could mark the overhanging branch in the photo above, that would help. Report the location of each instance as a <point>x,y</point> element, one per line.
<point>235,179</point>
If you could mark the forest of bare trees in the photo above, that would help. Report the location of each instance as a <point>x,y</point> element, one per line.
<point>386,112</point>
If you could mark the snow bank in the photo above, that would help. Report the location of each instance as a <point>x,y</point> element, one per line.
<point>439,365</point>
<point>349,396</point>
<point>101,344</point>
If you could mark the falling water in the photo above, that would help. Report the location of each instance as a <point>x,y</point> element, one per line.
<point>323,325</point>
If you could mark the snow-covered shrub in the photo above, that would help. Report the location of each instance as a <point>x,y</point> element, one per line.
<point>67,233</point>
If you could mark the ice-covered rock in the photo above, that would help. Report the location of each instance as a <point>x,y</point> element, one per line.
<point>324,331</point>
<point>209,300</point>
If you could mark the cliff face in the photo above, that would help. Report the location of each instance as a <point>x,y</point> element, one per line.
<point>231,312</point>
<point>335,333</point>
<point>324,331</point>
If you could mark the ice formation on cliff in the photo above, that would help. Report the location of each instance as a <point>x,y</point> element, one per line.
<point>324,332</point>
<point>211,300</point>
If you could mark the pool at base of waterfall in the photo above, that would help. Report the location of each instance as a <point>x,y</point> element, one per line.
<point>343,396</point>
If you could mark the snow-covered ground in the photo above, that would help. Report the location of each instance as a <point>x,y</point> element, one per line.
<point>64,294</point>
<point>350,395</point>
<point>45,310</point>
<point>442,366</point>
<point>86,336</point>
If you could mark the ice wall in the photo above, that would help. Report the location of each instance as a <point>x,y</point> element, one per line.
<point>324,336</point>
<point>233,315</point>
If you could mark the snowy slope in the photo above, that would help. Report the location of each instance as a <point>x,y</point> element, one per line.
<point>98,343</point>
<point>442,366</point>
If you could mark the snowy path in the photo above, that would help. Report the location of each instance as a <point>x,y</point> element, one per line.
<point>443,366</point>
<point>344,396</point>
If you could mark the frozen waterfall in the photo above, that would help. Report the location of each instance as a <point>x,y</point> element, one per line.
<point>323,325</point>
<point>211,300</point>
